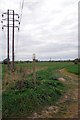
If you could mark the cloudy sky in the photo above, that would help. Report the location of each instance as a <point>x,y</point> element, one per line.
<point>49,28</point>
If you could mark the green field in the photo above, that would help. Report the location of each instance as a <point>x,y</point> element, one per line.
<point>22,97</point>
<point>74,69</point>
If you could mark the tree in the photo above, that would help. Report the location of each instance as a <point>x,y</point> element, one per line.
<point>5,61</point>
<point>76,61</point>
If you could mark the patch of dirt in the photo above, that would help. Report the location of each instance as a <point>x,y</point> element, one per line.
<point>72,111</point>
<point>47,112</point>
<point>69,102</point>
<point>68,74</point>
<point>29,71</point>
<point>62,79</point>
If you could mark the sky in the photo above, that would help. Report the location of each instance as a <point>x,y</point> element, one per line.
<point>49,28</point>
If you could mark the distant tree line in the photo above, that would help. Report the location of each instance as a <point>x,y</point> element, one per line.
<point>77,60</point>
<point>28,61</point>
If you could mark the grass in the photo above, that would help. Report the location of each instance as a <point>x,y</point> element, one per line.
<point>74,68</point>
<point>26,99</point>
<point>23,98</point>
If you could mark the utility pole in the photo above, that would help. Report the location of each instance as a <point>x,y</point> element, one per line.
<point>13,45</point>
<point>8,38</point>
<point>34,70</point>
<point>10,23</point>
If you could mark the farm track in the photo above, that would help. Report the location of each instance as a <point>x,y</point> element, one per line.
<point>67,106</point>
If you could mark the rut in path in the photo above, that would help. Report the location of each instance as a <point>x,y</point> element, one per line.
<point>67,106</point>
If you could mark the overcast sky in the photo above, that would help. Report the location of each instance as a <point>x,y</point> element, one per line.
<point>49,28</point>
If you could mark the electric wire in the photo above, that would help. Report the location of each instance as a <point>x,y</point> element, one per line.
<point>19,7</point>
<point>17,35</point>
<point>21,11</point>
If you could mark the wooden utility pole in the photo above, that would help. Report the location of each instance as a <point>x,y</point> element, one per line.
<point>34,70</point>
<point>13,44</point>
<point>8,38</point>
<point>12,20</point>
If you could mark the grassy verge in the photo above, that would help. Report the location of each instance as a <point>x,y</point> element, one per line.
<point>30,99</point>
<point>22,97</point>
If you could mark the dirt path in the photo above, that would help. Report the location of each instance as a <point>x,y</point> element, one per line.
<point>67,106</point>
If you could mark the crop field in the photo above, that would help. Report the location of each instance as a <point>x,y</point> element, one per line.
<point>24,97</point>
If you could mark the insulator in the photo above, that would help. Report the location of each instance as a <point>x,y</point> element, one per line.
<point>1,21</point>
<point>2,15</point>
<point>2,28</point>
<point>18,28</point>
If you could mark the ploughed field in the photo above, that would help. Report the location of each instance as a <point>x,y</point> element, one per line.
<point>24,96</point>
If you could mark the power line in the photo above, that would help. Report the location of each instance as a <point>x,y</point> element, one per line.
<point>21,12</point>
<point>19,7</point>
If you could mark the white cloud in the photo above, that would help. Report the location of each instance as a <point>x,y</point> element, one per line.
<point>46,25</point>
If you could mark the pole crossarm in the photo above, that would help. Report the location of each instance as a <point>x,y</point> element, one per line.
<point>10,14</point>
<point>10,19</point>
<point>10,26</point>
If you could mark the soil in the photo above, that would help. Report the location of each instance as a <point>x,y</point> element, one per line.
<point>67,106</point>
